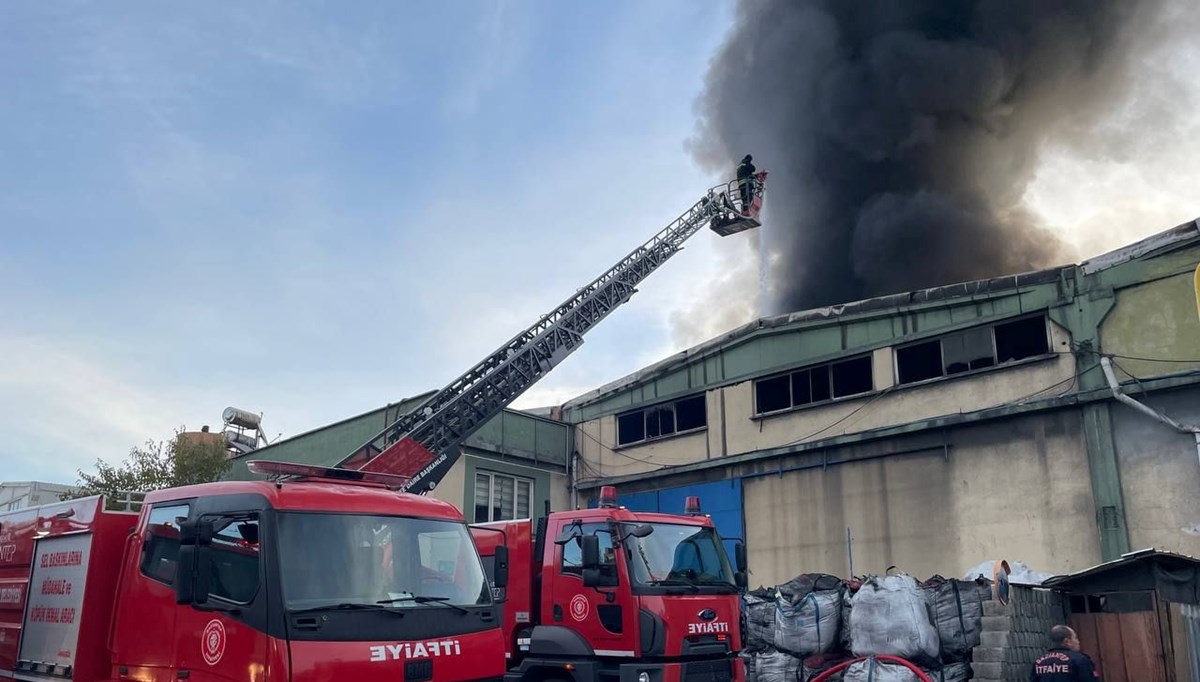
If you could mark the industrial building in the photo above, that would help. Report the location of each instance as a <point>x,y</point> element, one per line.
<point>16,495</point>
<point>928,430</point>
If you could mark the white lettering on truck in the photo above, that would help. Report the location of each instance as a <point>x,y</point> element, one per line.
<point>707,628</point>
<point>408,650</point>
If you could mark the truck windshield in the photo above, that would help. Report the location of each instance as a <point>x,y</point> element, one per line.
<point>339,559</point>
<point>678,554</point>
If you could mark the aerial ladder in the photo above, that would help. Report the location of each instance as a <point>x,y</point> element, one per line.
<point>423,444</point>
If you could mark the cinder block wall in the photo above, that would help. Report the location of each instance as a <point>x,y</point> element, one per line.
<point>1014,635</point>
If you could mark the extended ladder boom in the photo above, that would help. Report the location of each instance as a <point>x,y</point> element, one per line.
<point>424,443</point>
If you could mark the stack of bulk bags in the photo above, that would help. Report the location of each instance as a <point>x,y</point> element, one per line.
<point>957,610</point>
<point>808,614</point>
<point>954,672</point>
<point>872,670</point>
<point>760,621</point>
<point>890,615</point>
<point>776,666</point>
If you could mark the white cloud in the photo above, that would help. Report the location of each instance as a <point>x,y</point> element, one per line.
<point>62,408</point>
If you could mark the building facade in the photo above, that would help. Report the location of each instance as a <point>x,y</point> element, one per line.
<point>931,430</point>
<point>16,495</point>
<point>513,467</point>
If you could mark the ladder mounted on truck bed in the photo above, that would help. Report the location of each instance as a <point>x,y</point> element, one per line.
<point>423,444</point>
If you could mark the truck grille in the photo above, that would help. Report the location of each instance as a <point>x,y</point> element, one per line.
<point>418,671</point>
<point>708,671</point>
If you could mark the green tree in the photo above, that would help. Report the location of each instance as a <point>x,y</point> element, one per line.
<point>184,460</point>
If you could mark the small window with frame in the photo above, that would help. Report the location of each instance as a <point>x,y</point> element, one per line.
<point>160,547</point>
<point>235,553</point>
<point>572,551</point>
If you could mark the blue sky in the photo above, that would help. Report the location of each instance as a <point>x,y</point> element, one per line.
<point>312,209</point>
<point>309,210</point>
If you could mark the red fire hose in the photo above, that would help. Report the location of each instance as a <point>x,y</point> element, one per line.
<point>825,675</point>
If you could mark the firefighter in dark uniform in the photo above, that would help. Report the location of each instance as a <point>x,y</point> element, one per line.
<point>1064,662</point>
<point>745,177</point>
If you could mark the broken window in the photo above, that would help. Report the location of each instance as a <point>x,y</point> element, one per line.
<point>820,383</point>
<point>660,421</point>
<point>965,351</point>
<point>689,413</point>
<point>919,362</point>
<point>852,377</point>
<point>972,349</point>
<point>801,388</point>
<point>1025,338</point>
<point>772,394</point>
<point>813,385</point>
<point>631,428</point>
<point>666,419</point>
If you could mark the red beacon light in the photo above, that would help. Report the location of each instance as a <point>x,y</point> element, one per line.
<point>608,496</point>
<point>691,505</point>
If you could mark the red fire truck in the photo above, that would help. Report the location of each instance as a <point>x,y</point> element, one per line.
<point>325,573</point>
<point>328,575</point>
<point>608,593</point>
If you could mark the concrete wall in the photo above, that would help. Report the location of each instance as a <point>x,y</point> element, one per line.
<point>1156,319</point>
<point>733,429</point>
<point>452,485</point>
<point>1016,489</point>
<point>1160,473</point>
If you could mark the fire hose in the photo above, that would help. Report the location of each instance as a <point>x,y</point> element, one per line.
<point>826,674</point>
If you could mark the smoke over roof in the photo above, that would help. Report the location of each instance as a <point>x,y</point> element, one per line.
<point>901,136</point>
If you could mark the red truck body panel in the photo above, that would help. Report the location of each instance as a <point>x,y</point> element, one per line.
<point>518,594</point>
<point>73,567</point>
<point>59,565</point>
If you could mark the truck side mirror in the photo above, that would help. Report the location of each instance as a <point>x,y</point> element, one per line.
<point>641,530</point>
<point>739,557</point>
<point>500,571</point>
<point>590,548</point>
<point>194,571</point>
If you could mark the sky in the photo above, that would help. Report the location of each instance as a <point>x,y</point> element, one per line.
<point>311,210</point>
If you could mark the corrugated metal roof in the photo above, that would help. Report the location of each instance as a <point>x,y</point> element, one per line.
<point>1127,558</point>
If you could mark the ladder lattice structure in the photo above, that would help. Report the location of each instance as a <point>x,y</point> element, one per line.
<point>425,443</point>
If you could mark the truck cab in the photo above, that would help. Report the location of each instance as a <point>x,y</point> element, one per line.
<point>608,593</point>
<point>309,578</point>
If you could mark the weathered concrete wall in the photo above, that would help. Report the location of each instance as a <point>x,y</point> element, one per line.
<point>1158,320</point>
<point>450,488</point>
<point>1160,473</point>
<point>733,429</point>
<point>1016,489</point>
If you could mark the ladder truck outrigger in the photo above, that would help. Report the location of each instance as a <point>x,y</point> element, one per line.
<point>323,573</point>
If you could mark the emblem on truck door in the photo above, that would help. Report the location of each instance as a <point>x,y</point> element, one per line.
<point>579,607</point>
<point>212,642</point>
<point>707,614</point>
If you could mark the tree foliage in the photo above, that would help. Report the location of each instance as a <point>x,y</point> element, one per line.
<point>186,459</point>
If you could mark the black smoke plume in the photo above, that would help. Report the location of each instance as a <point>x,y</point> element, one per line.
<point>901,135</point>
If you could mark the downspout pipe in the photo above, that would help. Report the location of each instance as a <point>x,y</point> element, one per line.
<point>1115,387</point>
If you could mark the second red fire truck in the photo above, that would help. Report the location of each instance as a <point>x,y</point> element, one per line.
<point>611,594</point>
